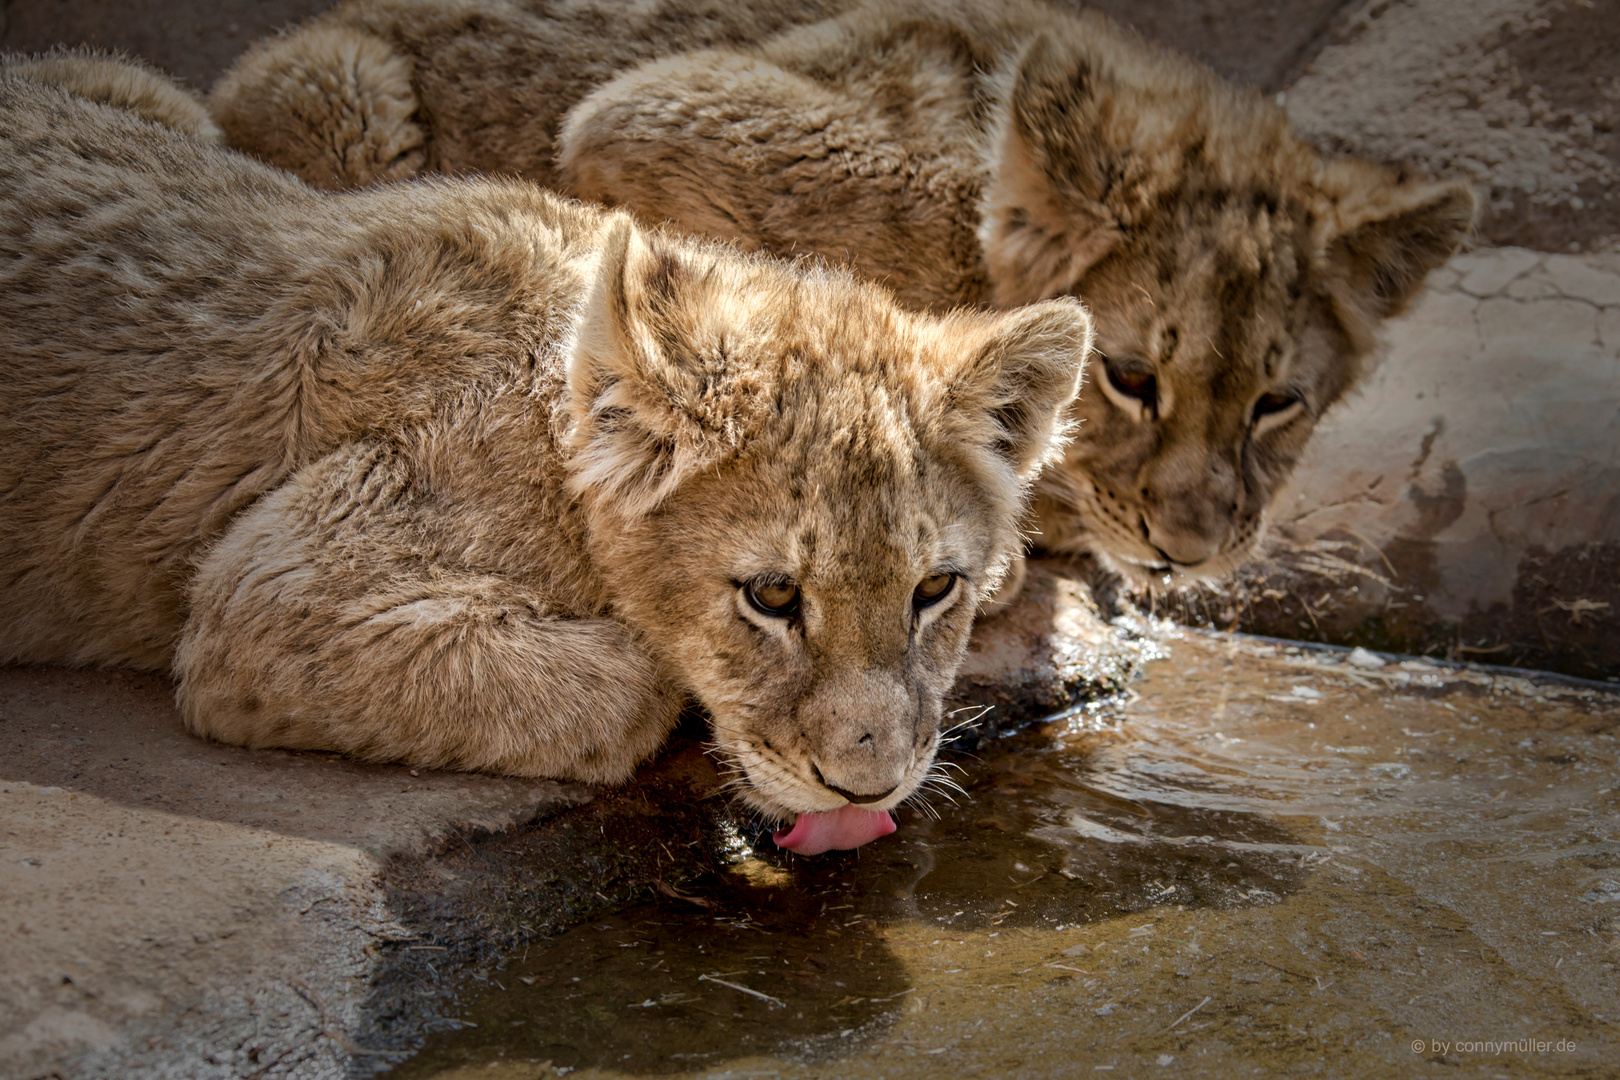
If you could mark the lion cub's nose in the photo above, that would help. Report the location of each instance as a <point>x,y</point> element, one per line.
<point>861,728</point>
<point>1186,548</point>
<point>866,771</point>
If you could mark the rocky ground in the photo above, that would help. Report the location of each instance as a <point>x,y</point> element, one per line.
<point>175,908</point>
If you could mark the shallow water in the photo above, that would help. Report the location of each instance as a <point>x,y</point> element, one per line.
<point>1270,861</point>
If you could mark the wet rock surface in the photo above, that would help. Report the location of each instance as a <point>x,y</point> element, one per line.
<point>1271,860</point>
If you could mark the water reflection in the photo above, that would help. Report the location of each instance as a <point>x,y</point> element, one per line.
<point>1256,818</point>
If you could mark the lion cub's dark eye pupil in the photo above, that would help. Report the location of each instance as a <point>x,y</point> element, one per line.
<point>1133,379</point>
<point>774,597</point>
<point>1272,403</point>
<point>932,589</point>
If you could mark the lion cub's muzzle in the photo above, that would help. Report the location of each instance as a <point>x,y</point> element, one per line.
<point>863,738</point>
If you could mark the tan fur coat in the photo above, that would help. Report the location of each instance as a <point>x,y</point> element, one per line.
<point>460,474</point>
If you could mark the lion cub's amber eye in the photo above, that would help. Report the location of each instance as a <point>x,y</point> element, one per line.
<point>1132,378</point>
<point>932,589</point>
<point>774,597</point>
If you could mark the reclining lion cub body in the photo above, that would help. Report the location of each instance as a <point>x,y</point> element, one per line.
<point>960,152</point>
<point>462,475</point>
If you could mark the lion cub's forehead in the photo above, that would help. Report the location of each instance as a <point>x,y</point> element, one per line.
<point>1227,299</point>
<point>834,336</point>
<point>846,505</point>
<point>852,509</point>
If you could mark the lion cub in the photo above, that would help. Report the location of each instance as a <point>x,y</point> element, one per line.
<point>461,475</point>
<point>959,151</point>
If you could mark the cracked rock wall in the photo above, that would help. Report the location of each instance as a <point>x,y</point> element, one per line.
<point>1477,471</point>
<point>1466,501</point>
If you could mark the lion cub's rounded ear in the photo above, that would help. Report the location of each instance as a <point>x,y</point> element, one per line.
<point>1013,391</point>
<point>636,383</point>
<point>1044,223</point>
<point>1383,234</point>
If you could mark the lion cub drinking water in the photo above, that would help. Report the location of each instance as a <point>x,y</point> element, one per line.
<point>461,475</point>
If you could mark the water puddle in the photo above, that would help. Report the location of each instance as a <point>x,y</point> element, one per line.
<point>1269,861</point>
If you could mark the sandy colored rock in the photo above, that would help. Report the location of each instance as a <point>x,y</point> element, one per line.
<point>1520,96</point>
<point>1478,473</point>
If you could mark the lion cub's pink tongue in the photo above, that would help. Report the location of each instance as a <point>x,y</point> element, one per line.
<point>836,830</point>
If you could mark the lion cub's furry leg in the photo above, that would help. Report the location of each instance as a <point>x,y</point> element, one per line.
<point>320,621</point>
<point>122,82</point>
<point>334,105</point>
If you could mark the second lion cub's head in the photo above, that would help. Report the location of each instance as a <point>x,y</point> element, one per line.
<point>1236,274</point>
<point>800,493</point>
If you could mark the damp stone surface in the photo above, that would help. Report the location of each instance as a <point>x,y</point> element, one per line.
<point>1269,860</point>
